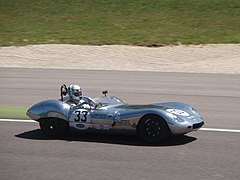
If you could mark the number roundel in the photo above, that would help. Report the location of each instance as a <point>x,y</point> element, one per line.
<point>80,116</point>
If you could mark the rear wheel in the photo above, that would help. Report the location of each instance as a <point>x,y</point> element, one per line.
<point>153,129</point>
<point>54,127</point>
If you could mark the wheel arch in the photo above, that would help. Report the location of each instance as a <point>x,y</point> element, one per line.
<point>47,118</point>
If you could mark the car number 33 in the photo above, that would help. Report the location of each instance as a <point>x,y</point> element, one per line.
<point>80,115</point>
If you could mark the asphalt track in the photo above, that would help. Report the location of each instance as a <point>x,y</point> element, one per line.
<point>26,154</point>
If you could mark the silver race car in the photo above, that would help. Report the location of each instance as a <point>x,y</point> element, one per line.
<point>152,122</point>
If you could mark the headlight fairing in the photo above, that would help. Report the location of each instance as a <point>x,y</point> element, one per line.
<point>178,115</point>
<point>176,118</point>
<point>196,112</point>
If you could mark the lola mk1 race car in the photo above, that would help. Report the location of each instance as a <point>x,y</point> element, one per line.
<point>152,122</point>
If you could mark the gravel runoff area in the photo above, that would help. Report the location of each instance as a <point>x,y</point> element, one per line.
<point>213,58</point>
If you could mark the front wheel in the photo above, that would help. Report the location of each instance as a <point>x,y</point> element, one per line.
<point>54,127</point>
<point>153,129</point>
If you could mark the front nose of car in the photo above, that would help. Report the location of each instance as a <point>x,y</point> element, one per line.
<point>31,112</point>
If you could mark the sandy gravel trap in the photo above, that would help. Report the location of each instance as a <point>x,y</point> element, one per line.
<point>221,58</point>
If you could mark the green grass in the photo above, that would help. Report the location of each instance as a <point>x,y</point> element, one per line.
<point>98,22</point>
<point>13,112</point>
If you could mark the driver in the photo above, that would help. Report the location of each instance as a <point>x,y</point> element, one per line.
<point>76,98</point>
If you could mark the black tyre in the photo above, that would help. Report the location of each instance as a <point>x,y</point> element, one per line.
<point>153,129</point>
<point>54,127</point>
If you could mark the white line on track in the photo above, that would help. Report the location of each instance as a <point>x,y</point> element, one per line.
<point>16,120</point>
<point>220,130</point>
<point>201,129</point>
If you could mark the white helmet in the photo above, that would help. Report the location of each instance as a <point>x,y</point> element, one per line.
<point>75,92</point>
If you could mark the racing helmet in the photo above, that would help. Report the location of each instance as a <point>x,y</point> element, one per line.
<point>75,92</point>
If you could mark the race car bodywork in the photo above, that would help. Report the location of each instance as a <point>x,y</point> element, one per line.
<point>153,122</point>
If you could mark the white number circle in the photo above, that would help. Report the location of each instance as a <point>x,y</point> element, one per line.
<point>80,115</point>
<point>177,112</point>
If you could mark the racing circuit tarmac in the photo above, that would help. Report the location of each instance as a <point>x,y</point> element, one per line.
<point>26,154</point>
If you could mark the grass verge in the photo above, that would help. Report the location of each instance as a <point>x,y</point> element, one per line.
<point>13,112</point>
<point>97,22</point>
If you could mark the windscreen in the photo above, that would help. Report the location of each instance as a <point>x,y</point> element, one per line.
<point>107,101</point>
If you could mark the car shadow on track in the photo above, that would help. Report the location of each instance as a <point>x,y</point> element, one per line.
<point>110,138</point>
